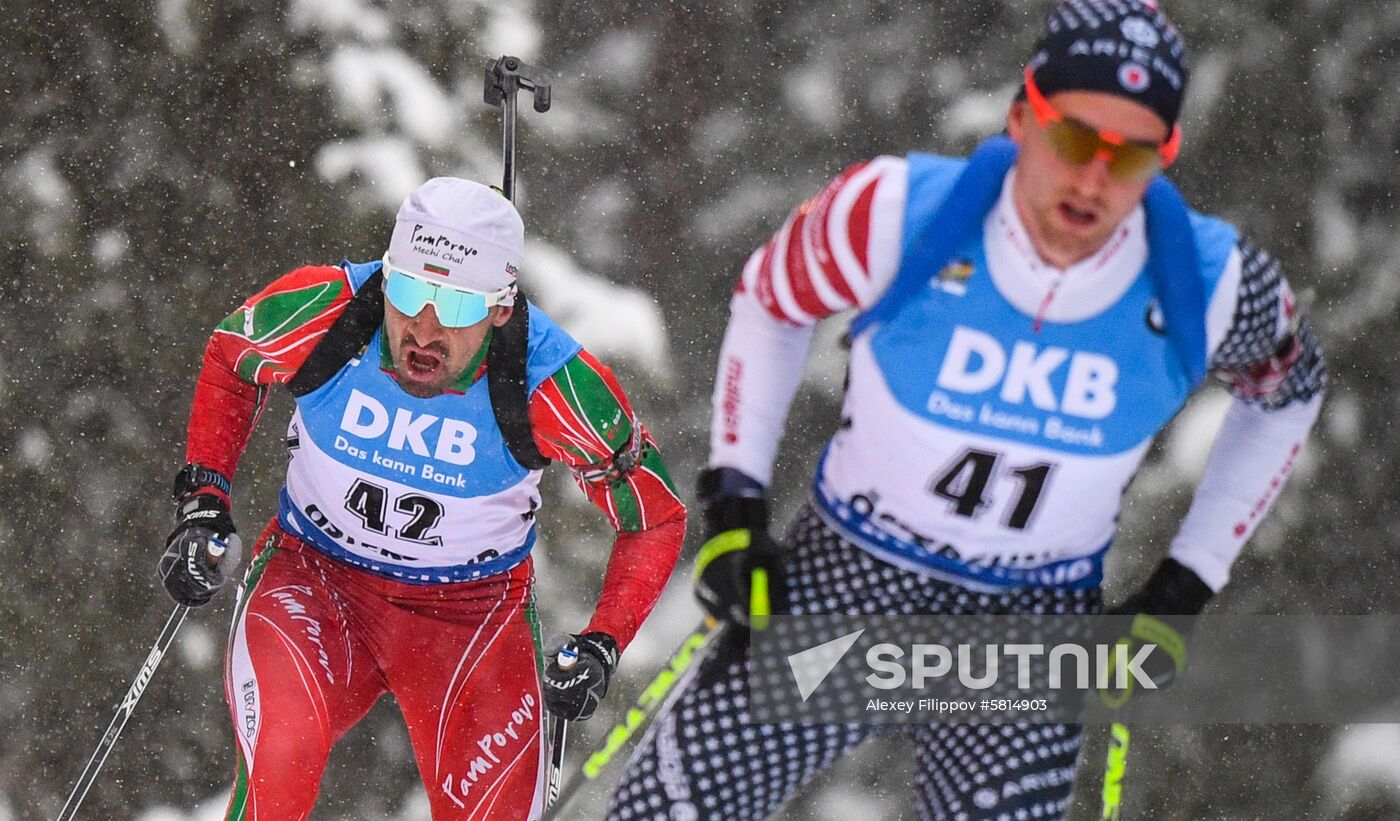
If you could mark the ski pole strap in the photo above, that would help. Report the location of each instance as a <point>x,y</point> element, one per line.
<point>192,477</point>
<point>1150,629</point>
<point>722,543</point>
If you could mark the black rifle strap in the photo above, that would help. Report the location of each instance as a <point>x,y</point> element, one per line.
<point>350,333</point>
<point>505,378</point>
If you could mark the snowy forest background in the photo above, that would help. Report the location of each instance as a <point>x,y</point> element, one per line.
<point>162,159</point>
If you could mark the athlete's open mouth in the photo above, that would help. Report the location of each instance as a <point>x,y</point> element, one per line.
<point>1077,217</point>
<point>422,363</point>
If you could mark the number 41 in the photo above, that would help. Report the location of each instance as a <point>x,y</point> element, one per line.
<point>964,485</point>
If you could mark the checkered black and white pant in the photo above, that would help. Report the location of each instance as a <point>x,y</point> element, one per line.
<point>703,759</point>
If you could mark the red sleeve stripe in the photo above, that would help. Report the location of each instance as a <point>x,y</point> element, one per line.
<point>761,280</point>
<point>859,227</point>
<point>614,518</point>
<point>324,320</point>
<point>849,225</point>
<point>640,496</point>
<point>806,280</point>
<point>569,424</point>
<point>780,280</point>
<point>299,340</point>
<point>601,447</point>
<point>654,479</point>
<point>828,283</point>
<point>302,278</point>
<point>818,262</point>
<point>610,379</point>
<point>820,236</point>
<point>559,413</point>
<point>561,422</point>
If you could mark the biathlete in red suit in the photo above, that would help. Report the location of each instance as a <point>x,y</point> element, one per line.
<point>399,558</point>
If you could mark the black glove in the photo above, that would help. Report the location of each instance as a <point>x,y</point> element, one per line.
<point>202,550</point>
<point>740,571</point>
<point>573,689</point>
<point>1163,611</point>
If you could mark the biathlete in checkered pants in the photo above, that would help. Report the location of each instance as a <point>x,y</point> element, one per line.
<point>1027,320</point>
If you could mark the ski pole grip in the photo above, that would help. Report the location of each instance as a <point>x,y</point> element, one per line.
<point>567,658</point>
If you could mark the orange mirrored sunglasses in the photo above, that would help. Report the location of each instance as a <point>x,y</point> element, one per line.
<point>1077,143</point>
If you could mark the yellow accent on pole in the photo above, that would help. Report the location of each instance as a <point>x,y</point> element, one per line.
<point>759,606</point>
<point>1114,771</point>
<point>650,699</point>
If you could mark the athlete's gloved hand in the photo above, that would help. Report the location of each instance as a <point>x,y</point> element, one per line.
<point>740,571</point>
<point>576,674</point>
<point>203,549</point>
<point>1163,612</point>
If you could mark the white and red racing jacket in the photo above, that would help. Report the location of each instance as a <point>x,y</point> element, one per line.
<point>1034,476</point>
<point>425,490</point>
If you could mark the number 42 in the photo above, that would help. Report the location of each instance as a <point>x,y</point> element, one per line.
<point>369,502</point>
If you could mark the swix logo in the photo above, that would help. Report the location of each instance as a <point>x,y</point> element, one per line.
<point>143,677</point>
<point>367,418</point>
<point>976,362</point>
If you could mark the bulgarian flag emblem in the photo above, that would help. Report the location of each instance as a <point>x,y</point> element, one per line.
<point>435,269</point>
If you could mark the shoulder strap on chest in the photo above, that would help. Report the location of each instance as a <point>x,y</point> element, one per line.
<point>505,372</point>
<point>350,332</point>
<point>1174,265</point>
<point>505,377</point>
<point>958,217</point>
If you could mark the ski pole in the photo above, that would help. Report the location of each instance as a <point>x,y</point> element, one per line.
<point>124,711</point>
<point>214,553</point>
<point>567,658</point>
<point>505,77</point>
<point>653,699</point>
<point>1114,771</point>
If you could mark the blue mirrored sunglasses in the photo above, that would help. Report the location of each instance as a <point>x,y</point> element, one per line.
<point>455,307</point>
